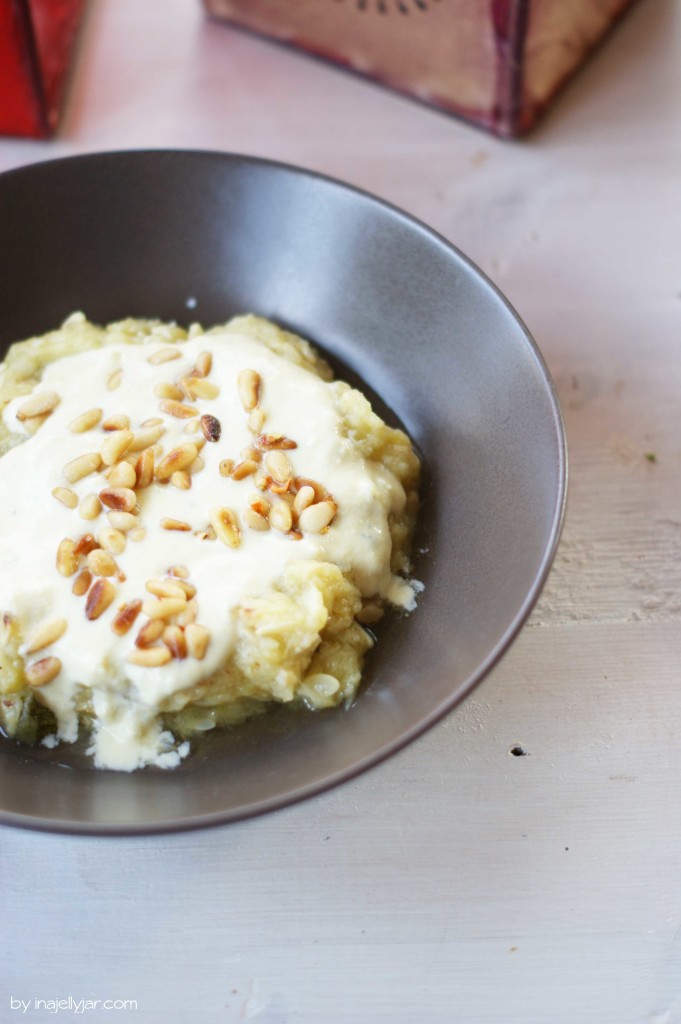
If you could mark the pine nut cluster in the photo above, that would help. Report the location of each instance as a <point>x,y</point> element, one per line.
<point>295,504</point>
<point>34,411</point>
<point>130,458</point>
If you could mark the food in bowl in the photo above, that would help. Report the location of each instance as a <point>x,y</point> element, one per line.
<point>196,525</point>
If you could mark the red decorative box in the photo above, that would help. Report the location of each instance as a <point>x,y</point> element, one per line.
<point>495,62</point>
<point>36,42</point>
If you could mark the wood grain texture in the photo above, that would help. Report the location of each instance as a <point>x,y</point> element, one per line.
<point>456,874</point>
<point>457,883</point>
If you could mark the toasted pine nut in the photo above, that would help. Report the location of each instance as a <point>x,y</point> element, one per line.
<point>100,563</point>
<point>259,504</point>
<point>178,458</point>
<point>120,499</point>
<point>119,421</point>
<point>81,467</point>
<point>316,518</point>
<point>181,479</point>
<point>184,383</point>
<point>197,465</point>
<point>302,481</point>
<point>197,637</point>
<point>304,497</point>
<point>82,582</point>
<point>175,524</point>
<point>86,421</point>
<point>125,617</point>
<point>254,521</point>
<point>149,657</point>
<point>164,607</point>
<point>248,385</point>
<point>211,428</point>
<point>199,387</point>
<point>243,469</point>
<point>116,445</point>
<point>111,540</point>
<point>144,469</point>
<point>123,475</point>
<point>42,672</point>
<point>226,467</point>
<point>272,442</point>
<point>174,639</point>
<point>65,496</point>
<point>282,489</point>
<point>46,635</point>
<point>280,517</point>
<point>188,589</point>
<point>85,544</point>
<point>164,355</point>
<point>179,570</point>
<point>251,453</point>
<point>192,426</point>
<point>204,364</point>
<point>122,521</point>
<point>165,588</point>
<point>99,598</point>
<point>153,421</point>
<point>278,466</point>
<point>149,632</point>
<point>114,379</point>
<point>67,559</point>
<point>90,507</point>
<point>178,409</point>
<point>167,390</point>
<point>40,404</point>
<point>138,534</point>
<point>146,438</point>
<point>226,525</point>
<point>256,420</point>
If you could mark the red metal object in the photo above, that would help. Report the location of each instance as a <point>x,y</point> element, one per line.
<point>36,43</point>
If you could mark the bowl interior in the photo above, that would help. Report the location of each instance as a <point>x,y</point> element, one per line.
<point>186,236</point>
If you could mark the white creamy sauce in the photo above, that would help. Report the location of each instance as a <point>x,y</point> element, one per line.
<point>297,404</point>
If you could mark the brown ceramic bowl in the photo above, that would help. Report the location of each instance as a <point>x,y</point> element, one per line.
<point>393,304</point>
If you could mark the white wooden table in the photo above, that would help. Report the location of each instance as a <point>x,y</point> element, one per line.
<point>455,883</point>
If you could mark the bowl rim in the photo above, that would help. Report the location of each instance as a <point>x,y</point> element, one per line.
<point>331,781</point>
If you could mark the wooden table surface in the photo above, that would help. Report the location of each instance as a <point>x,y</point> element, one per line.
<point>456,883</point>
